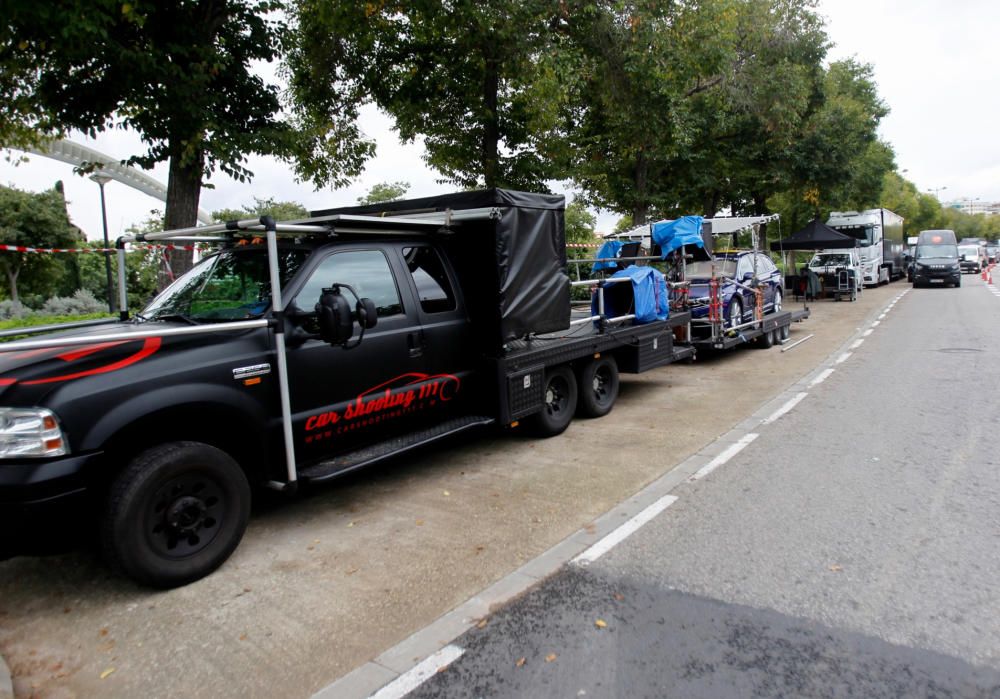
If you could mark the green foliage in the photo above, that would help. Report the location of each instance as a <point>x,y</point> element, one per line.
<point>580,229</point>
<point>280,210</point>
<point>33,220</point>
<point>473,79</point>
<point>34,320</point>
<point>385,191</point>
<point>179,73</point>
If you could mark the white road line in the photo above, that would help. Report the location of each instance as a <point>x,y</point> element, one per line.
<point>624,531</point>
<point>867,332</point>
<point>857,343</point>
<point>725,456</point>
<point>824,375</point>
<point>789,404</point>
<point>882,316</point>
<point>416,676</point>
<point>876,323</point>
<point>844,357</point>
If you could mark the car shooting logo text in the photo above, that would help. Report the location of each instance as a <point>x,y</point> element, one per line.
<point>389,400</point>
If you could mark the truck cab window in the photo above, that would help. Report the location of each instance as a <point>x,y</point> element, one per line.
<point>430,278</point>
<point>366,271</point>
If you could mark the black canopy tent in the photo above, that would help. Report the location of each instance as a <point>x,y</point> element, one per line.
<point>815,236</point>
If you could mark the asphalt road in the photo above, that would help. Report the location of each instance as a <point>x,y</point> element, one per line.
<point>851,549</point>
<point>333,580</point>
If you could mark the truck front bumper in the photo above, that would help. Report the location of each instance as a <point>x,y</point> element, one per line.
<point>43,504</point>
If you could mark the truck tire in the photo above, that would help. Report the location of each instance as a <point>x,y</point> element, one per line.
<point>175,514</point>
<point>598,387</point>
<point>560,403</point>
<point>777,301</point>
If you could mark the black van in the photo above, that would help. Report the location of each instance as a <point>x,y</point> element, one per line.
<point>936,259</point>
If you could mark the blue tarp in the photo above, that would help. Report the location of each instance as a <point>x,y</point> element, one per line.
<point>609,249</point>
<point>646,296</point>
<point>671,235</point>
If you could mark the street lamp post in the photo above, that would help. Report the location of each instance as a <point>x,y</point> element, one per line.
<point>101,180</point>
<point>936,190</point>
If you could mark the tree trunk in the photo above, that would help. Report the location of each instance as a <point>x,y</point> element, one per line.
<point>183,195</point>
<point>12,271</point>
<point>640,204</point>
<point>490,149</point>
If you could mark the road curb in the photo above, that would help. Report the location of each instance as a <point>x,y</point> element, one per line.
<point>6,683</point>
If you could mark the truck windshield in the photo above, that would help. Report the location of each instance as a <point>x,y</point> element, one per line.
<point>970,251</point>
<point>230,285</point>
<point>864,234</point>
<point>703,270</point>
<point>925,251</point>
<point>830,261</point>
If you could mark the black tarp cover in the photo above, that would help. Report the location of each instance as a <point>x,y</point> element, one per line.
<point>815,236</point>
<point>530,284</point>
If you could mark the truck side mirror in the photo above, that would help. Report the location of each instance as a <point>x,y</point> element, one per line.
<point>334,316</point>
<point>961,257</point>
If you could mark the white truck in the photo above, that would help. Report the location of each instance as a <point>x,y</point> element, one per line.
<point>880,237</point>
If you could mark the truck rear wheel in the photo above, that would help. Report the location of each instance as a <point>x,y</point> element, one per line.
<point>598,387</point>
<point>175,514</point>
<point>560,403</point>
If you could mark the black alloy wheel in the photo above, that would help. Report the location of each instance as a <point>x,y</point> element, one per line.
<point>560,399</point>
<point>598,387</point>
<point>175,514</point>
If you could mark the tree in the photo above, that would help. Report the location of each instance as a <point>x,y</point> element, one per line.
<point>179,73</point>
<point>385,191</point>
<point>33,220</point>
<point>580,230</point>
<point>638,68</point>
<point>474,79</point>
<point>280,210</point>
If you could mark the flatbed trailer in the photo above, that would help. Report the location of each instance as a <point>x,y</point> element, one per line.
<point>636,349</point>
<point>771,330</point>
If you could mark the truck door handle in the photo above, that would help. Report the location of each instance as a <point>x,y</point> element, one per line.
<point>414,342</point>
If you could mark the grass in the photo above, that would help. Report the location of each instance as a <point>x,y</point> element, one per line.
<point>36,320</point>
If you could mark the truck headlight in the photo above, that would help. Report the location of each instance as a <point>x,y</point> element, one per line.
<point>30,432</point>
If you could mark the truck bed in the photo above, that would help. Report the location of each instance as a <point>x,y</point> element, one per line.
<point>637,348</point>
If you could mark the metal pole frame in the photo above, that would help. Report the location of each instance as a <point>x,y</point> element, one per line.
<point>107,255</point>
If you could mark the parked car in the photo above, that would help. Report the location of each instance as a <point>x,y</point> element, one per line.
<point>828,265</point>
<point>737,299</point>
<point>972,258</point>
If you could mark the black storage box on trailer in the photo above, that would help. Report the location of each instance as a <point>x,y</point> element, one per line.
<point>512,265</point>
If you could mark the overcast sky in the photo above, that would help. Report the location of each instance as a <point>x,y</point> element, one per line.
<point>935,63</point>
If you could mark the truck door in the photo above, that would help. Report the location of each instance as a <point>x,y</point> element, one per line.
<point>344,397</point>
<point>445,339</point>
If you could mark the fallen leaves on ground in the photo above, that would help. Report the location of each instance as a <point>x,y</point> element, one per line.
<point>601,624</point>
<point>521,661</point>
<point>482,624</point>
<point>619,596</point>
<point>107,673</point>
<point>550,657</point>
<point>836,568</point>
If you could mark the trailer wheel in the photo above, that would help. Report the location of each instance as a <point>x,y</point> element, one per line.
<point>175,514</point>
<point>785,332</point>
<point>560,403</point>
<point>598,387</point>
<point>767,340</point>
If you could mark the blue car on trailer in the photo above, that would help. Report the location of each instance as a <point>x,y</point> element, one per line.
<point>736,299</point>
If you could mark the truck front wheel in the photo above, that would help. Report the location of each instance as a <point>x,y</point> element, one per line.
<point>560,403</point>
<point>175,514</point>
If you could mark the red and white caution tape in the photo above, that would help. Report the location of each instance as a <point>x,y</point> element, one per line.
<point>22,248</point>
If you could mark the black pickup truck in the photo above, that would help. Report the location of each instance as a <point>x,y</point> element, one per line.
<point>328,345</point>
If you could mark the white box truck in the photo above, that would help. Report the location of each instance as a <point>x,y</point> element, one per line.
<point>880,237</point>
